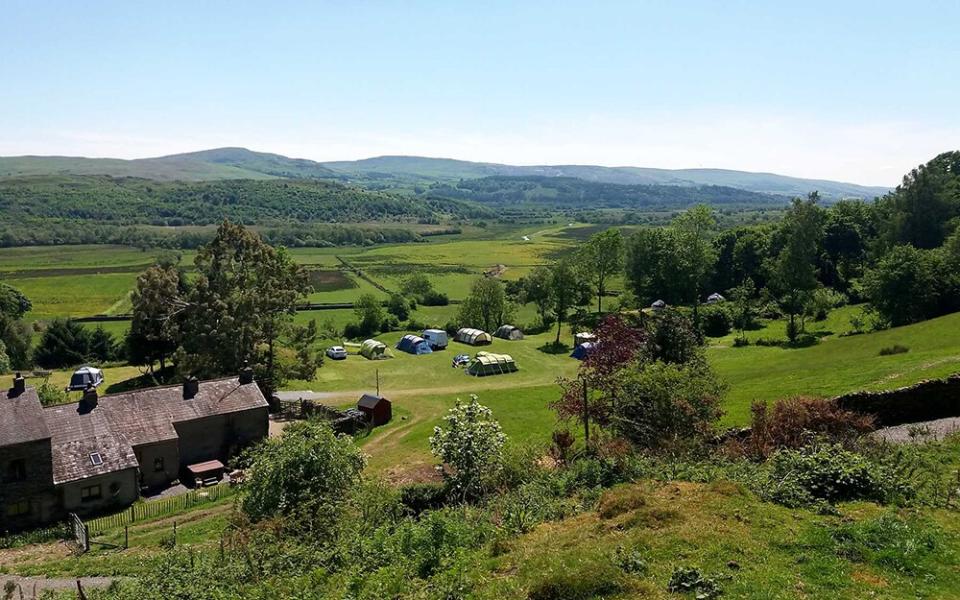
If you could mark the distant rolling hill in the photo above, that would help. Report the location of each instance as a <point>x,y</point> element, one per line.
<point>406,171</point>
<point>206,165</point>
<point>445,169</point>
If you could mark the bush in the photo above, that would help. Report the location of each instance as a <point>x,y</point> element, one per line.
<point>762,341</point>
<point>470,443</point>
<point>690,580</point>
<point>829,472</point>
<point>420,497</point>
<point>715,320</point>
<point>791,423</point>
<point>434,298</point>
<point>895,349</point>
<point>740,342</point>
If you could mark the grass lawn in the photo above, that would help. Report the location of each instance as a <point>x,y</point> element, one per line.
<point>836,365</point>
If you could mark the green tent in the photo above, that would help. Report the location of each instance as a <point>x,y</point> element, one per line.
<point>486,363</point>
<point>374,350</point>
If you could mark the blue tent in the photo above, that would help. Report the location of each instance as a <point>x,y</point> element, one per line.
<point>414,345</point>
<point>582,350</point>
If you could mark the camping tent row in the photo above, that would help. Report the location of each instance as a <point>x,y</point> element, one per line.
<point>486,363</point>
<point>414,344</point>
<point>474,337</point>
<point>374,350</point>
<point>508,332</point>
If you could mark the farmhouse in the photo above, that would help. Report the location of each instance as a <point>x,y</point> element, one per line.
<point>98,453</point>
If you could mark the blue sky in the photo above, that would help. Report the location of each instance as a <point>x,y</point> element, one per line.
<point>857,91</point>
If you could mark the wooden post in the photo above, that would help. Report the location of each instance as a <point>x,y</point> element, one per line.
<point>378,382</point>
<point>174,533</point>
<point>126,536</point>
<point>80,593</point>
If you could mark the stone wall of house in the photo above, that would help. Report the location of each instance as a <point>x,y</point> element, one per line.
<point>36,488</point>
<point>220,436</point>
<point>117,490</point>
<point>159,463</point>
<point>924,401</point>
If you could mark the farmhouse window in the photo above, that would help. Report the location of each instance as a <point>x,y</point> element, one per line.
<point>158,464</point>
<point>18,509</point>
<point>16,471</point>
<point>90,493</point>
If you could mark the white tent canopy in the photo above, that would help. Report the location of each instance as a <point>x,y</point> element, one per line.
<point>474,337</point>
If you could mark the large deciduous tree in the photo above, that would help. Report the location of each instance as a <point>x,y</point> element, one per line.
<point>601,257</point>
<point>565,288</point>
<point>154,329</point>
<point>486,307</point>
<point>244,294</point>
<point>796,271</point>
<point>14,333</point>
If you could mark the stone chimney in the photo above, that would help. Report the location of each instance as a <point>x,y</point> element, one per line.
<point>191,386</point>
<point>90,396</point>
<point>246,374</point>
<point>19,385</point>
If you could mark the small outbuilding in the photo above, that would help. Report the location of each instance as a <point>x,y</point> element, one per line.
<point>486,363</point>
<point>414,344</point>
<point>474,337</point>
<point>508,332</point>
<point>658,305</point>
<point>582,351</point>
<point>377,409</point>
<point>436,337</point>
<point>374,350</point>
<point>715,298</point>
<point>85,377</point>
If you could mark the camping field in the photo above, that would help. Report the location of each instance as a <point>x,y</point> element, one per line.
<point>89,280</point>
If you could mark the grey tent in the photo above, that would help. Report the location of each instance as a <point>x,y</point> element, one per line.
<point>474,337</point>
<point>486,363</point>
<point>374,350</point>
<point>508,332</point>
<point>658,305</point>
<point>85,377</point>
<point>714,298</point>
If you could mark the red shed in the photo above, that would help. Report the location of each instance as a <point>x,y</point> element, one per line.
<point>377,408</point>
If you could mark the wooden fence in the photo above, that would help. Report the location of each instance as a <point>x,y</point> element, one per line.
<point>151,509</point>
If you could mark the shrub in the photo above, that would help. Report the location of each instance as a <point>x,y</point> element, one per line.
<point>434,298</point>
<point>307,471</point>
<point>762,341</point>
<point>895,349</point>
<point>690,580</point>
<point>471,443</point>
<point>740,342</point>
<point>420,497</point>
<point>630,561</point>
<point>828,472</point>
<point>715,320</point>
<point>790,423</point>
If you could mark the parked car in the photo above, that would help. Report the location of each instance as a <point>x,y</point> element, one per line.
<point>337,352</point>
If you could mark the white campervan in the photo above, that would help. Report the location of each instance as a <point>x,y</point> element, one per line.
<point>437,338</point>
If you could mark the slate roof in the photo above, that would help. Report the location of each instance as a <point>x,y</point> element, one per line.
<point>120,422</point>
<point>21,418</point>
<point>76,433</point>
<point>370,401</point>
